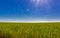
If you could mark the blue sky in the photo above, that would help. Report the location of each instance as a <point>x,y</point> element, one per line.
<point>29,10</point>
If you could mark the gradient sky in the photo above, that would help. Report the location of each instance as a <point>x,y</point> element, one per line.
<point>29,10</point>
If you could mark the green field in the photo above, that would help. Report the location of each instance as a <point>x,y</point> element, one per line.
<point>29,30</point>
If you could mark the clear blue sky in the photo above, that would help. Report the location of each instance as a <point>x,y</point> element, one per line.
<point>29,10</point>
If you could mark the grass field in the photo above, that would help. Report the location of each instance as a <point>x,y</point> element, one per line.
<point>29,30</point>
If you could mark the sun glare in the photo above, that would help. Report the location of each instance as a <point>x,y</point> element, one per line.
<point>40,2</point>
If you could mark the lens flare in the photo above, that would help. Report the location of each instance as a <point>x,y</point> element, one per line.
<point>41,2</point>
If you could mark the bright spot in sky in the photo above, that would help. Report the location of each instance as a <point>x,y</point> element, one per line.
<point>28,10</point>
<point>46,4</point>
<point>36,1</point>
<point>40,2</point>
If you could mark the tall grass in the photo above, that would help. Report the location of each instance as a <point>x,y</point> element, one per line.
<point>29,30</point>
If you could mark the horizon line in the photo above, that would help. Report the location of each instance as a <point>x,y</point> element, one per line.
<point>29,21</point>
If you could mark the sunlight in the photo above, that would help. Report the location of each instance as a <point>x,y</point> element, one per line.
<point>40,2</point>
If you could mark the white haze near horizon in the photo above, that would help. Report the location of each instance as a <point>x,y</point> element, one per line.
<point>26,21</point>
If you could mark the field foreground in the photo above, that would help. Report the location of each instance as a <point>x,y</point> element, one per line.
<point>29,30</point>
